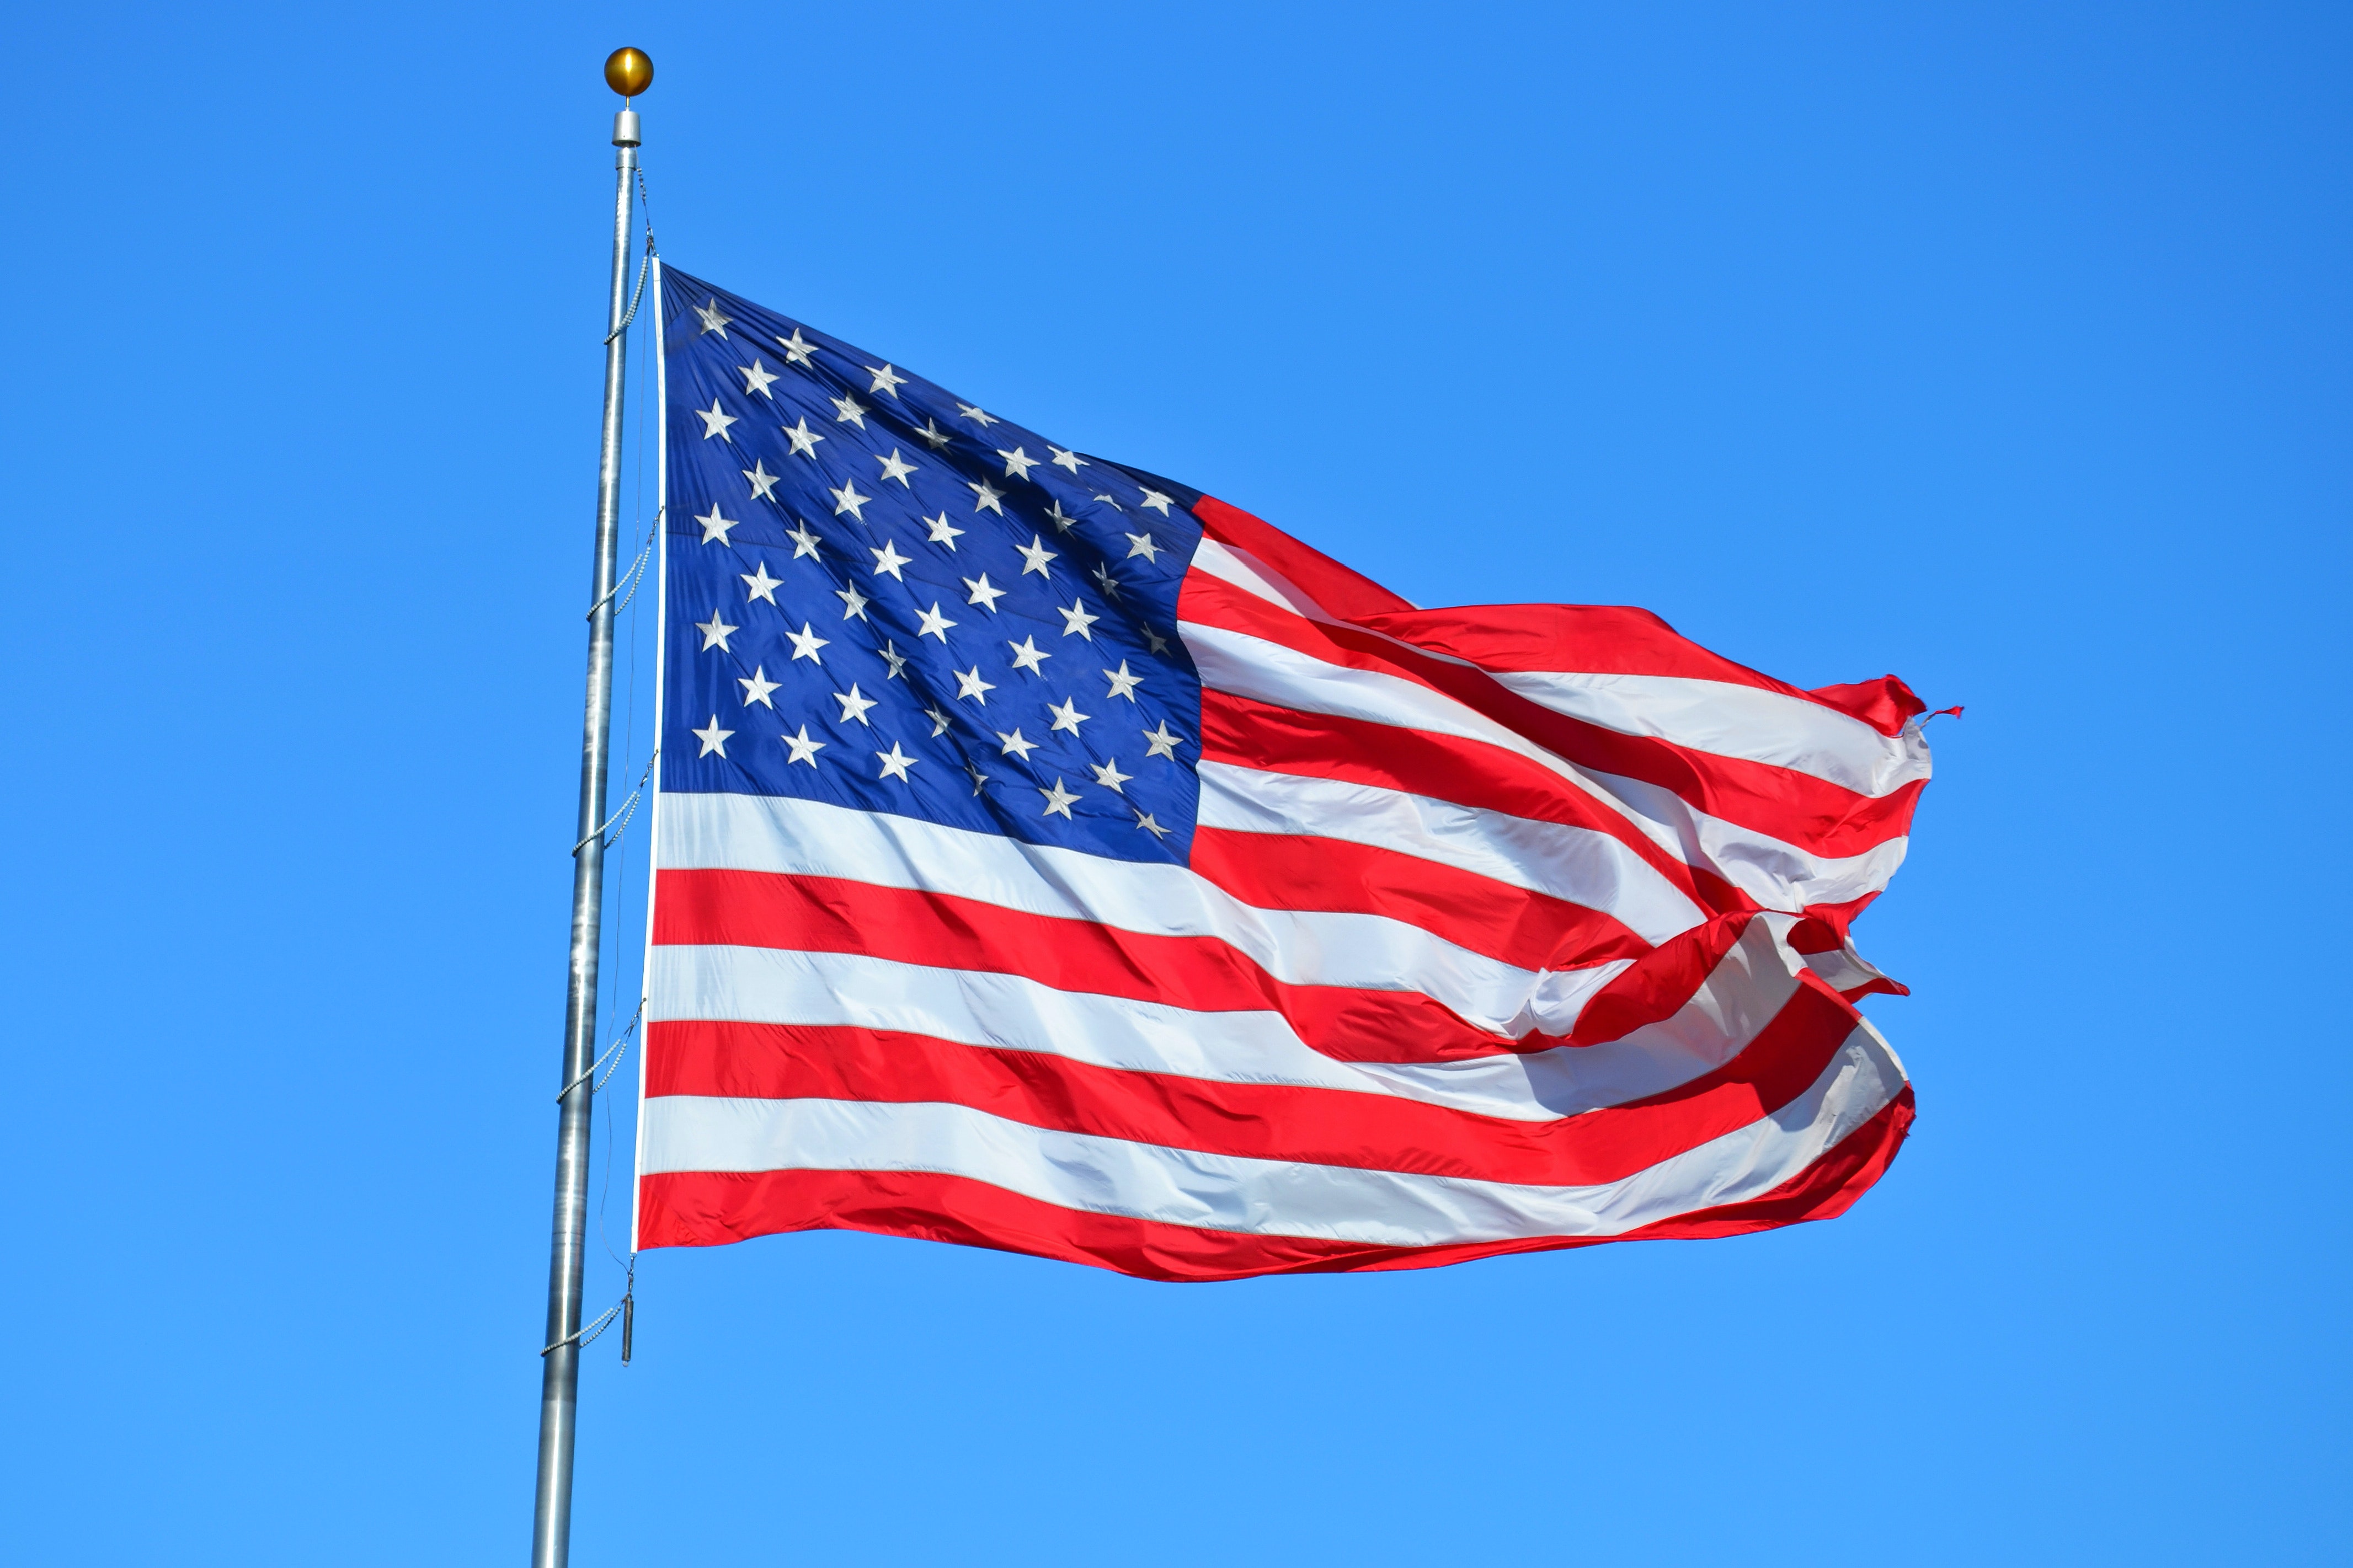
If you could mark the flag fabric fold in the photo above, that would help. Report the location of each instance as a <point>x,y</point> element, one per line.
<point>1052,858</point>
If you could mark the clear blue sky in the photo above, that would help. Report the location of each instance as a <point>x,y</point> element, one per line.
<point>2003,346</point>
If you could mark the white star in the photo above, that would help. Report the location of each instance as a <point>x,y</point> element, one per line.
<point>1067,715</point>
<point>715,422</point>
<point>713,737</point>
<point>853,603</point>
<point>756,377</point>
<point>989,496</point>
<point>939,720</point>
<point>1109,776</point>
<point>712,322</point>
<point>984,593</point>
<point>1036,553</point>
<point>797,349</point>
<point>1058,799</point>
<point>1109,584</point>
<point>1076,619</point>
<point>1163,744</point>
<point>934,434</point>
<point>852,412</point>
<point>1015,746</point>
<point>886,379</point>
<point>803,438</point>
<point>975,415</point>
<point>1151,825</point>
<point>1026,655</point>
<point>979,778</point>
<point>1063,521</point>
<point>1154,640</point>
<point>1154,501</point>
<point>931,624</point>
<point>756,690</point>
<point>804,541</point>
<point>1017,462</point>
<point>1063,460</point>
<point>715,527</point>
<point>760,586</point>
<point>806,643</point>
<point>1109,502</point>
<point>715,633</point>
<point>894,468</point>
<point>1143,544</point>
<point>888,559</point>
<point>853,705</point>
<point>894,659</point>
<point>761,481</point>
<point>942,530</point>
<point>895,763</point>
<point>1121,683</point>
<point>804,749</point>
<point>847,498</point>
<point>970,684</point>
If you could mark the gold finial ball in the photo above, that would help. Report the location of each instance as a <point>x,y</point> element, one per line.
<point>629,72</point>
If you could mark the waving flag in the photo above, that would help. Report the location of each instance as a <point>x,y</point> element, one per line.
<point>1053,857</point>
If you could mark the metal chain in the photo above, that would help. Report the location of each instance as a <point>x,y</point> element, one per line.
<point>645,206</point>
<point>586,1334</point>
<point>629,807</point>
<point>645,266</point>
<point>619,1041</point>
<point>630,578</point>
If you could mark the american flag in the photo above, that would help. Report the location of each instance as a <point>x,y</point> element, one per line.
<point>1052,858</point>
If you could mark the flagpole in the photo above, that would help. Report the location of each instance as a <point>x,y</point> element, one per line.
<point>628,73</point>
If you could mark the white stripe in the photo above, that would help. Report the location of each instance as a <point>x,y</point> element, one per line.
<point>1007,1012</point>
<point>1581,864</point>
<point>1231,564</point>
<point>1747,989</point>
<point>1373,953</point>
<point>1726,719</point>
<point>1777,874</point>
<point>1843,968</point>
<point>1722,717</point>
<point>982,1007</point>
<point>1262,1197</point>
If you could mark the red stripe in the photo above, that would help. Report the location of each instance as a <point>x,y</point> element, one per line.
<point>1660,982</point>
<point>703,1209</point>
<point>1823,1190</point>
<point>1259,735</point>
<point>1261,1121</point>
<point>826,914</point>
<point>1883,704</point>
<point>1618,639</point>
<point>707,907</point>
<point>1840,916</point>
<point>1795,808</point>
<point>1605,639</point>
<point>1345,592</point>
<point>1295,871</point>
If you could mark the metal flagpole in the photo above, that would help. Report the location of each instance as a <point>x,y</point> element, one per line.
<point>628,73</point>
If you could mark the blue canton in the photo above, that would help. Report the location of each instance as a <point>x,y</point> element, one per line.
<point>887,598</point>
